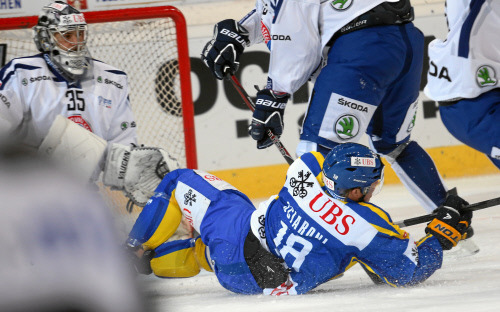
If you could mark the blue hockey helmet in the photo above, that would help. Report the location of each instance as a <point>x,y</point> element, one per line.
<point>352,165</point>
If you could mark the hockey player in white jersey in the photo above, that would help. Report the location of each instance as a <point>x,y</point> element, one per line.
<point>45,96</point>
<point>463,75</point>
<point>368,82</point>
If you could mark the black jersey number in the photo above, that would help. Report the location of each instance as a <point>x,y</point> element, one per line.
<point>77,102</point>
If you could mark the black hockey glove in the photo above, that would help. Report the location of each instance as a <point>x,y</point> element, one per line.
<point>222,53</point>
<point>450,224</point>
<point>268,114</point>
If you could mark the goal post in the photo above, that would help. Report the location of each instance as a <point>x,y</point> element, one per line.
<point>150,45</point>
<point>114,29</point>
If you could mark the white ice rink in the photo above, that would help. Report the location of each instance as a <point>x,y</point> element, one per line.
<point>464,283</point>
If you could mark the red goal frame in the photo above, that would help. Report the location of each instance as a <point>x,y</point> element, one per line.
<point>182,50</point>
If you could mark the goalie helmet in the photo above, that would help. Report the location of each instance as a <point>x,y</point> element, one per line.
<point>352,165</point>
<point>61,33</point>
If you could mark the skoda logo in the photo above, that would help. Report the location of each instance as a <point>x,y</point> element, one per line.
<point>341,5</point>
<point>347,127</point>
<point>486,76</point>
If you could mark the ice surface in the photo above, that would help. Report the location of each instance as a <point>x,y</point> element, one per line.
<point>464,283</point>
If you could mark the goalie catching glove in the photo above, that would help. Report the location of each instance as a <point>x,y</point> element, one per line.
<point>137,171</point>
<point>450,225</point>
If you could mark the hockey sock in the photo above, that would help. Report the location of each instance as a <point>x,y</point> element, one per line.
<point>419,174</point>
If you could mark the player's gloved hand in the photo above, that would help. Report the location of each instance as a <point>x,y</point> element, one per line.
<point>222,53</point>
<point>268,114</point>
<point>450,224</point>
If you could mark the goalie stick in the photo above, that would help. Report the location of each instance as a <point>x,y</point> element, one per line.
<point>472,207</point>
<point>248,101</point>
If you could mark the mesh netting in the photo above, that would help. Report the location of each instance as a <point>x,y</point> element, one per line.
<point>147,51</point>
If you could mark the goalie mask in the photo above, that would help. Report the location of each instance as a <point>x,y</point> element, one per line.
<point>61,33</point>
<point>352,165</point>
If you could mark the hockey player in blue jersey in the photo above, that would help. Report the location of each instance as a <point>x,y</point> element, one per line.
<point>463,75</point>
<point>319,225</point>
<point>365,58</point>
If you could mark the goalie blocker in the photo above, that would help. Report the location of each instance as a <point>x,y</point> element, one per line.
<point>135,170</point>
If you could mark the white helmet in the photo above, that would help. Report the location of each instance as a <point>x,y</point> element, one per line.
<point>61,33</point>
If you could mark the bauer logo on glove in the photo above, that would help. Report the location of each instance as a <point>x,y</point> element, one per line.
<point>268,115</point>
<point>222,54</point>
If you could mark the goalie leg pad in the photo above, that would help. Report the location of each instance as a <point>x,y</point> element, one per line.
<point>74,147</point>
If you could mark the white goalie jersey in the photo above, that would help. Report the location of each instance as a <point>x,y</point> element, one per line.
<point>32,94</point>
<point>467,63</point>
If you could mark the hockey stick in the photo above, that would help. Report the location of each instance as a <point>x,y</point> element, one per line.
<point>248,101</point>
<point>426,218</point>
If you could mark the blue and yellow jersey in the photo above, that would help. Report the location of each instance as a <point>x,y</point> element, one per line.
<point>320,237</point>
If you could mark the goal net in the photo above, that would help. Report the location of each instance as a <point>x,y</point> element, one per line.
<point>150,45</point>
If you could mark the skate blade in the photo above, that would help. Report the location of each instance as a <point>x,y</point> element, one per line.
<point>465,248</point>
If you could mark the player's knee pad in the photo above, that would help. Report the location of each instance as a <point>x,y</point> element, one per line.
<point>169,223</point>
<point>181,258</point>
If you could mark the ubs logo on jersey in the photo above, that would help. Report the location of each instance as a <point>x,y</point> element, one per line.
<point>347,127</point>
<point>341,5</point>
<point>189,198</point>
<point>300,183</point>
<point>331,213</point>
<point>485,76</point>
<point>80,121</point>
